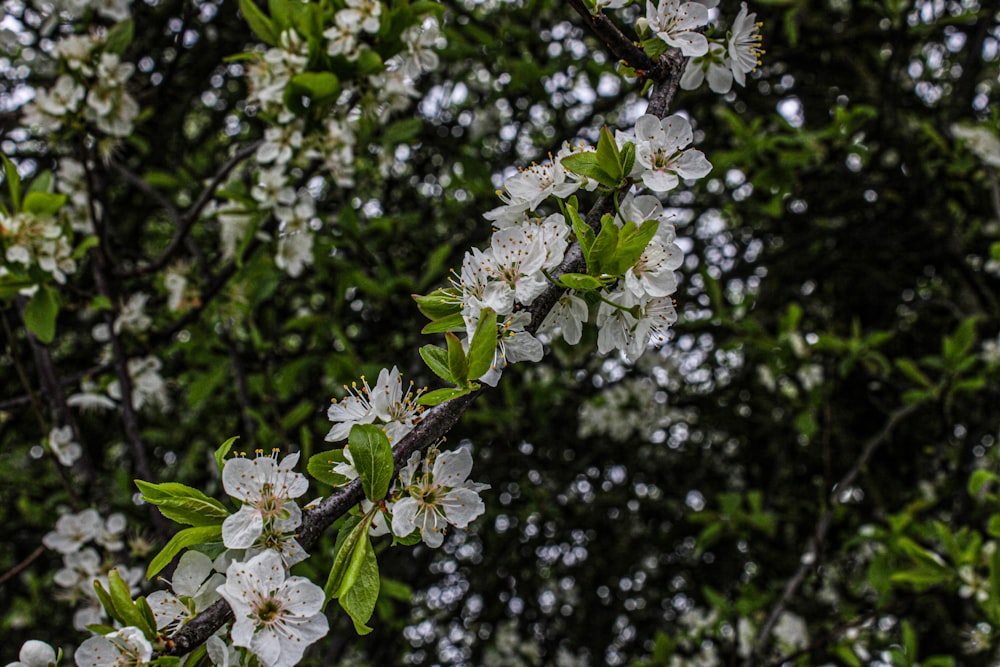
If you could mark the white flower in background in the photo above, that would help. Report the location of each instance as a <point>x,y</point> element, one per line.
<point>611,4</point>
<point>76,51</point>
<point>272,188</point>
<point>675,23</point>
<point>791,631</point>
<point>438,494</point>
<point>123,648</point>
<point>234,223</point>
<point>116,10</point>
<point>294,253</point>
<point>421,42</point>
<point>110,536</point>
<point>35,240</point>
<point>80,568</point>
<point>73,531</point>
<point>132,317</point>
<point>148,386</point>
<point>266,488</point>
<point>342,42</point>
<point>108,105</point>
<point>567,317</point>
<point>63,445</point>
<point>659,155</point>
<point>35,654</point>
<point>982,141</point>
<point>276,618</point>
<point>714,66</point>
<point>744,45</point>
<point>280,142</point>
<point>360,15</point>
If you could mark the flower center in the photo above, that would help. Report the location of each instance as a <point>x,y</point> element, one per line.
<point>268,611</point>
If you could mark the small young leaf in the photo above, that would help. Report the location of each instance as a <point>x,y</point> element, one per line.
<point>359,600</point>
<point>223,451</point>
<point>372,456</point>
<point>586,164</point>
<point>40,314</point>
<point>13,182</point>
<point>439,304</point>
<point>339,577</point>
<point>121,598</point>
<point>602,253</point>
<point>119,37</point>
<point>44,204</point>
<point>608,157</point>
<point>437,360</point>
<point>258,22</point>
<point>441,395</point>
<point>453,322</point>
<point>320,87</point>
<point>320,466</point>
<point>584,234</point>
<point>580,281</point>
<point>183,504</point>
<point>458,365</point>
<point>482,348</point>
<point>632,242</point>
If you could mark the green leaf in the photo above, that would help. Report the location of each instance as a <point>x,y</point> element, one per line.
<point>628,158</point>
<point>586,164</point>
<point>608,158</point>
<point>40,314</point>
<point>482,348</point>
<point>441,395</point>
<point>584,234</point>
<point>41,183</point>
<point>979,479</point>
<point>341,577</point>
<point>13,182</point>
<point>320,466</point>
<point>602,253</point>
<point>258,22</point>
<point>910,370</point>
<point>44,204</point>
<point>959,343</point>
<point>458,365</point>
<point>632,242</point>
<point>223,451</point>
<point>121,598</point>
<point>119,37</point>
<point>183,504</point>
<point>320,87</point>
<point>440,303</point>
<point>281,14</point>
<point>402,131</point>
<point>437,360</point>
<point>372,456</point>
<point>453,322</point>
<point>180,541</point>
<point>580,281</point>
<point>359,599</point>
<point>105,599</point>
<point>147,613</point>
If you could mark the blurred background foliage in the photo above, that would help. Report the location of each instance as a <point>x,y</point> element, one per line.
<point>840,290</point>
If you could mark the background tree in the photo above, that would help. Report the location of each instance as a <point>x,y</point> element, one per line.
<point>804,473</point>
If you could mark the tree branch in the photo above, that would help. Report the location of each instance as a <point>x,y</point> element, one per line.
<point>441,418</point>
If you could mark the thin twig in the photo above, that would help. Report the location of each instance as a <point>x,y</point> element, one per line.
<point>186,222</point>
<point>17,569</point>
<point>810,556</point>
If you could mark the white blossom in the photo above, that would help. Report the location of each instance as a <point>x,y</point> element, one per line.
<point>276,618</point>
<point>35,653</point>
<point>744,45</point>
<point>675,23</point>
<point>73,531</point>
<point>438,494</point>
<point>64,446</point>
<point>660,158</point>
<point>123,648</point>
<point>266,489</point>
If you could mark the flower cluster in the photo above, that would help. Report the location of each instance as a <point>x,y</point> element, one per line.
<point>36,241</point>
<point>394,410</point>
<point>289,144</point>
<point>92,90</point>
<point>726,61</point>
<point>268,516</point>
<point>83,564</point>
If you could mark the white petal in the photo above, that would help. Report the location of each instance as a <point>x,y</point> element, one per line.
<point>462,506</point>
<point>452,468</point>
<point>241,530</point>
<point>404,513</point>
